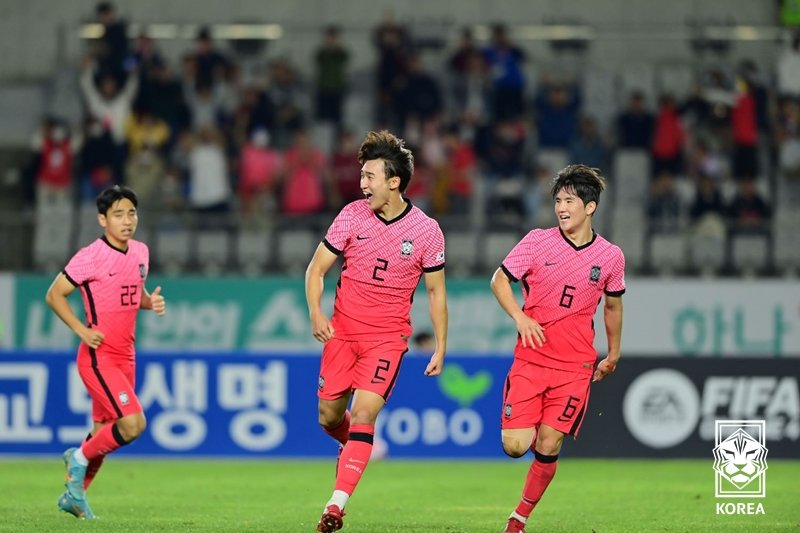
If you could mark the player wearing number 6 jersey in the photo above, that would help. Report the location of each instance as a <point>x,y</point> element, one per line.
<point>110,274</point>
<point>564,272</point>
<point>387,245</point>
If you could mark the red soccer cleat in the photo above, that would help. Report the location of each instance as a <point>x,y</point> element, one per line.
<point>514,526</point>
<point>331,520</point>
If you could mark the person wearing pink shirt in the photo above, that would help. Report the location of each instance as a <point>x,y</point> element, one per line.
<point>564,271</point>
<point>110,274</point>
<point>387,245</point>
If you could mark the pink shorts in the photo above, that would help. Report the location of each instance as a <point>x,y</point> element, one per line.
<point>536,394</point>
<point>110,382</point>
<point>360,365</point>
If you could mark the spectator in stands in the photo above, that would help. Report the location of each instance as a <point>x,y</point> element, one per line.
<point>748,211</point>
<point>459,61</point>
<point>668,138</point>
<point>787,136</point>
<point>306,177</point>
<point>744,129</point>
<point>289,96</point>
<point>254,112</point>
<point>664,207</point>
<point>54,149</point>
<point>557,106</point>
<point>705,161</point>
<point>460,173</point>
<point>589,148</point>
<point>260,172</point>
<point>472,98</point>
<point>393,44</point>
<point>209,186</point>
<point>346,170</point>
<point>505,61</point>
<point>164,97</point>
<point>148,61</point>
<point>635,125</point>
<point>98,164</point>
<point>419,96</point>
<point>707,200</point>
<point>505,171</point>
<point>110,106</point>
<point>210,65</point>
<point>146,129</point>
<point>113,43</point>
<point>331,60</point>
<point>144,172</point>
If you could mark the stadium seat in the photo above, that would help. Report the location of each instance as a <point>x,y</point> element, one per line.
<point>707,253</point>
<point>786,240</point>
<point>667,253</point>
<point>552,159</point>
<point>173,250</point>
<point>213,251</point>
<point>461,252</point>
<point>52,239</point>
<point>631,177</point>
<point>750,253</point>
<point>295,248</point>
<point>88,227</point>
<point>253,250</point>
<point>496,247</point>
<point>628,232</point>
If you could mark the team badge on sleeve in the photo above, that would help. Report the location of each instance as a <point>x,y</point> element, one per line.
<point>142,270</point>
<point>123,398</point>
<point>440,256</point>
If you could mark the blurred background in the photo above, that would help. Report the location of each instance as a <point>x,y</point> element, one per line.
<point>238,124</point>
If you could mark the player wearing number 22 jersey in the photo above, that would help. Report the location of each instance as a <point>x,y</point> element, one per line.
<point>110,274</point>
<point>565,272</point>
<point>387,245</point>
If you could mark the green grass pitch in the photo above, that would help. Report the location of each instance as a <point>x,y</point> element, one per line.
<point>592,496</point>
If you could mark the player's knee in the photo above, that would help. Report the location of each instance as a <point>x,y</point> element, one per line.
<point>328,418</point>
<point>363,416</point>
<point>130,427</point>
<point>549,446</point>
<point>514,447</point>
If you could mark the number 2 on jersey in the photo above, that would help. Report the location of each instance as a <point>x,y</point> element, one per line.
<point>382,266</point>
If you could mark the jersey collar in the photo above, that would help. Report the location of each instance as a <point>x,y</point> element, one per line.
<point>582,246</point>
<point>120,250</point>
<point>398,217</point>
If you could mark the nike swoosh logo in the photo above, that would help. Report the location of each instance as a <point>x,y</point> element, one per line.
<point>112,273</point>
<point>356,461</point>
<point>549,264</point>
<point>361,238</point>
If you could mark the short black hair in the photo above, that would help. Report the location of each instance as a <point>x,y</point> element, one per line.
<point>585,182</point>
<point>110,196</point>
<point>397,159</point>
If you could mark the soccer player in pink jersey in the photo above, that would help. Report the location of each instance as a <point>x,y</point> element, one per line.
<point>565,271</point>
<point>110,273</point>
<point>388,245</point>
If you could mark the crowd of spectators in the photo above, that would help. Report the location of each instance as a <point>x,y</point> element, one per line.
<point>202,138</point>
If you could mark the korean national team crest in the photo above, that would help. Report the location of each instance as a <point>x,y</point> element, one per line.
<point>142,270</point>
<point>321,382</point>
<point>123,398</point>
<point>406,248</point>
<point>507,410</point>
<point>594,274</point>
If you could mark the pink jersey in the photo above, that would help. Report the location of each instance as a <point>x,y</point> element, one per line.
<point>383,262</point>
<point>111,283</point>
<point>562,285</point>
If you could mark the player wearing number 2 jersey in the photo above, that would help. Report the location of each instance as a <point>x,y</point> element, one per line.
<point>564,272</point>
<point>110,274</point>
<point>388,245</point>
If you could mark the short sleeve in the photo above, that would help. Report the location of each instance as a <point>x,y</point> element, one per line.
<point>339,231</point>
<point>433,259</point>
<point>81,267</point>
<point>615,286</point>
<point>520,258</point>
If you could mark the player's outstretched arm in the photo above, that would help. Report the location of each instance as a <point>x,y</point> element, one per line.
<point>322,261</point>
<point>56,298</point>
<point>155,301</point>
<point>612,315</point>
<point>437,303</point>
<point>530,331</point>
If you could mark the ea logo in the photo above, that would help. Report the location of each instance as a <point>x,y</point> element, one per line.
<point>661,408</point>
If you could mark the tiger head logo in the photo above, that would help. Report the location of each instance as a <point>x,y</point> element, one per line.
<point>740,458</point>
